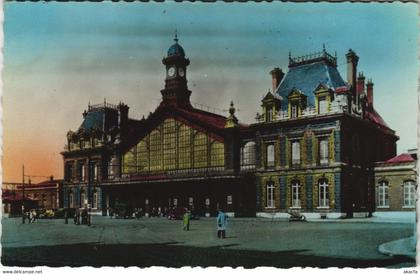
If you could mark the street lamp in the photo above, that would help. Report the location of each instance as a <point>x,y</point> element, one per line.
<point>23,194</point>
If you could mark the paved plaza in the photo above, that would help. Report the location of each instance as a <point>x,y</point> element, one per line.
<point>250,243</point>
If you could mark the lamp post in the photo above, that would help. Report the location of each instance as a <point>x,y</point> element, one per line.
<point>23,194</point>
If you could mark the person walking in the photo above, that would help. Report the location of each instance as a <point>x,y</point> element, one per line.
<point>186,220</point>
<point>221,224</point>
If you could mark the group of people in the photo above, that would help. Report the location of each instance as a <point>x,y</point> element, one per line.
<point>81,217</point>
<point>31,215</point>
<point>221,221</point>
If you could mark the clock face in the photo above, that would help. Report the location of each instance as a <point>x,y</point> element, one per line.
<point>181,72</point>
<point>171,71</point>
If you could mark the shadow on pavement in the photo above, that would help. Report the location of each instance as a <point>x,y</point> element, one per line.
<point>172,255</point>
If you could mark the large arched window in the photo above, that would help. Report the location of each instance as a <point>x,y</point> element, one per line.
<point>270,195</point>
<point>323,193</point>
<point>295,194</point>
<point>383,197</point>
<point>248,154</point>
<point>409,194</point>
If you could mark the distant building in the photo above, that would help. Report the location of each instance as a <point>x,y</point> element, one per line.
<point>47,194</point>
<point>396,183</point>
<point>313,148</point>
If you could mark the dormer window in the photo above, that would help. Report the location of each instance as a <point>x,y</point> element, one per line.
<point>294,111</point>
<point>322,105</point>
<point>297,103</point>
<point>270,105</point>
<point>269,115</point>
<point>323,98</point>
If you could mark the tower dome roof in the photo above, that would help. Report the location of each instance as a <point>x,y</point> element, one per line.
<point>176,49</point>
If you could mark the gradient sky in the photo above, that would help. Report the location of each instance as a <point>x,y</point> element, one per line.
<point>60,56</point>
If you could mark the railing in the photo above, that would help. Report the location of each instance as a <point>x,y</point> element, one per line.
<point>312,56</point>
<point>248,167</point>
<point>172,174</point>
<point>102,106</point>
<point>306,113</point>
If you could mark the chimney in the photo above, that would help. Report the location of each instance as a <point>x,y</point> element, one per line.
<point>369,90</point>
<point>360,86</point>
<point>277,75</point>
<point>122,114</point>
<point>352,60</point>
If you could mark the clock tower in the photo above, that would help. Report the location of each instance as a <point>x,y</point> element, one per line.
<point>176,91</point>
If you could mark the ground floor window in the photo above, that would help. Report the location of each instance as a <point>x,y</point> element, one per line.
<point>95,200</point>
<point>82,199</point>
<point>295,194</point>
<point>383,198</point>
<point>71,200</point>
<point>409,194</point>
<point>270,195</point>
<point>323,193</point>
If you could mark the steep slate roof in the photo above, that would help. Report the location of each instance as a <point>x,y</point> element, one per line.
<point>94,119</point>
<point>307,77</point>
<point>102,118</point>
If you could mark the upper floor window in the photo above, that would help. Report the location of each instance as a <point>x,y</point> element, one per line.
<point>323,151</point>
<point>270,195</point>
<point>69,172</point>
<point>270,155</point>
<point>383,198</point>
<point>409,194</point>
<point>80,171</point>
<point>111,168</point>
<point>322,105</point>
<point>94,171</point>
<point>295,194</point>
<point>323,193</point>
<point>295,153</point>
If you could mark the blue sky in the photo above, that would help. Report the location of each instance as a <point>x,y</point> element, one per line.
<point>60,56</point>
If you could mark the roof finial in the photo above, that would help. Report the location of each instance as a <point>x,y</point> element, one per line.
<point>231,121</point>
<point>323,47</point>
<point>176,36</point>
